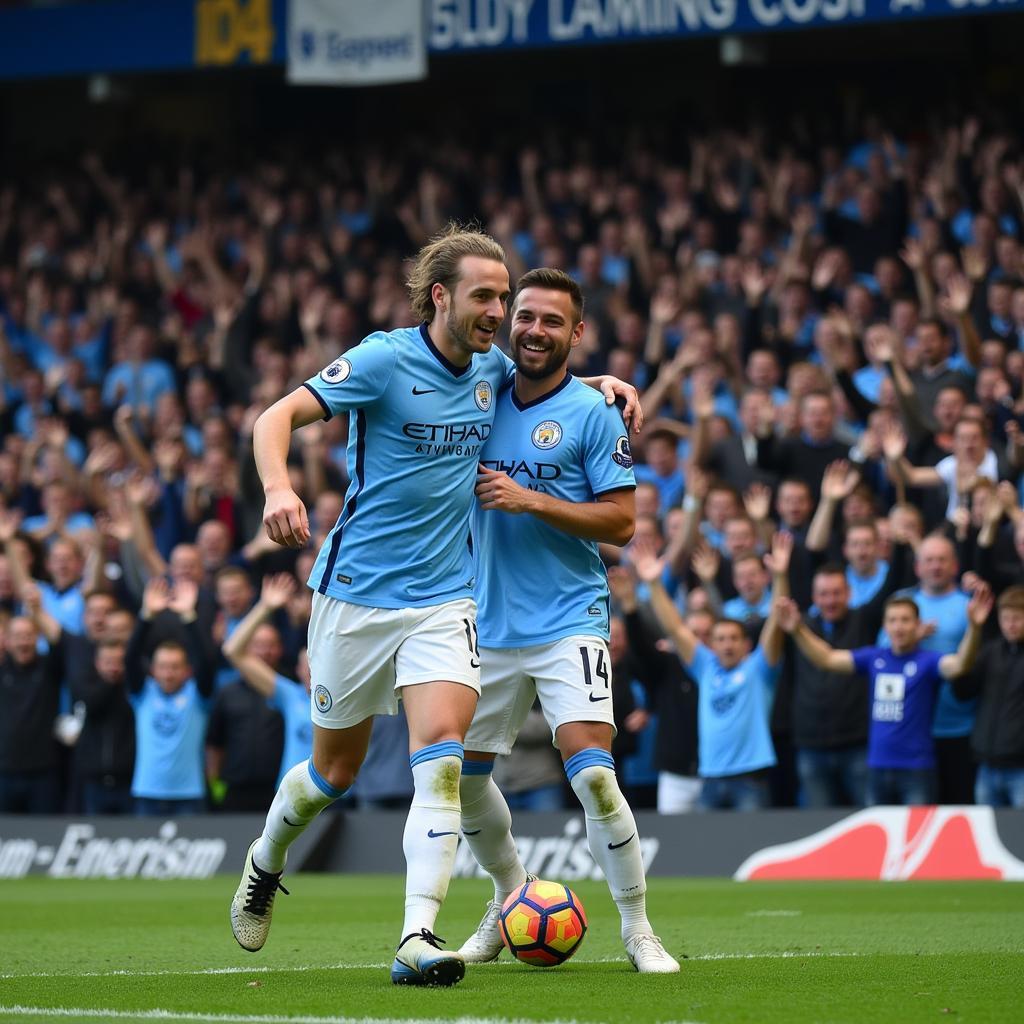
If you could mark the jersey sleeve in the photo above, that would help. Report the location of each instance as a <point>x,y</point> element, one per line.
<point>607,458</point>
<point>862,657</point>
<point>355,379</point>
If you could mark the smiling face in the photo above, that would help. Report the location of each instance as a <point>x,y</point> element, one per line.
<point>544,332</point>
<point>474,309</point>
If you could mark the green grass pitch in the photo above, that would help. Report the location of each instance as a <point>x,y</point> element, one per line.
<point>765,952</point>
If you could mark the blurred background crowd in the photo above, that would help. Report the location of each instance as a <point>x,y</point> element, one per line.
<point>826,324</point>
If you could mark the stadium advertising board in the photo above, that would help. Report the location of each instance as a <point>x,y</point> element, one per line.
<point>111,847</point>
<point>159,35</point>
<point>359,42</point>
<point>886,843</point>
<point>496,24</point>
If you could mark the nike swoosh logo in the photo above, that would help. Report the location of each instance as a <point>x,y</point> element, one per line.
<point>423,391</point>
<point>294,824</point>
<point>617,846</point>
<point>594,700</point>
<point>474,664</point>
<point>475,832</point>
<point>437,835</point>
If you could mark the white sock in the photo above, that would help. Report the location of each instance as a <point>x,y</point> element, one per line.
<point>303,794</point>
<point>431,832</point>
<point>487,826</point>
<point>612,835</point>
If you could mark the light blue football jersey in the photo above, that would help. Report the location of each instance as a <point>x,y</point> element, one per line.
<point>535,583</point>
<point>417,427</point>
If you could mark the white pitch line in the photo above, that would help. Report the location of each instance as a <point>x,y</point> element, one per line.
<point>258,969</point>
<point>237,1018</point>
<point>788,954</point>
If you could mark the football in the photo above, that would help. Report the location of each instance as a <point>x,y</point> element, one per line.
<point>543,923</point>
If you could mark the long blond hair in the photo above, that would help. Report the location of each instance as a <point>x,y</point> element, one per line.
<point>438,263</point>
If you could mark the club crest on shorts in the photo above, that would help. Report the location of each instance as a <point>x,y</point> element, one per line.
<point>623,454</point>
<point>323,700</point>
<point>482,395</point>
<point>547,434</point>
<point>337,372</point>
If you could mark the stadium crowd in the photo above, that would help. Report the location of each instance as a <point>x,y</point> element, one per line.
<point>830,344</point>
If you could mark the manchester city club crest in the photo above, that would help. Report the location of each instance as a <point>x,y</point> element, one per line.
<point>323,700</point>
<point>482,395</point>
<point>623,454</point>
<point>547,434</point>
<point>337,372</point>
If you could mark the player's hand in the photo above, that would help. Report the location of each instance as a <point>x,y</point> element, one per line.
<point>499,492</point>
<point>613,388</point>
<point>285,519</point>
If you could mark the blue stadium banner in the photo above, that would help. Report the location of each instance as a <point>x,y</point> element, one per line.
<point>466,25</point>
<point>132,35</point>
<point>160,35</point>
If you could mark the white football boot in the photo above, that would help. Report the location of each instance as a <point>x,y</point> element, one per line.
<point>253,904</point>
<point>648,956</point>
<point>420,960</point>
<point>486,944</point>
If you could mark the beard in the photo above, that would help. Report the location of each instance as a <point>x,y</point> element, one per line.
<point>462,331</point>
<point>554,358</point>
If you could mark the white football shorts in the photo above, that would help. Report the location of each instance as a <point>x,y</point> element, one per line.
<point>572,677</point>
<point>359,656</point>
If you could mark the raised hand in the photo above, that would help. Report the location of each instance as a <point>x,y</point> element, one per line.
<point>974,261</point>
<point>994,509</point>
<point>32,598</point>
<point>702,400</point>
<point>277,590</point>
<point>980,605</point>
<point>706,562</point>
<point>880,342</point>
<point>156,597</point>
<point>758,502</point>
<point>777,560</point>
<point>644,556</point>
<point>957,300</point>
<point>787,614</point>
<point>664,309</point>
<point>697,483</point>
<point>913,254</point>
<point>753,282</point>
<point>839,480</point>
<point>183,597</point>
<point>894,442</point>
